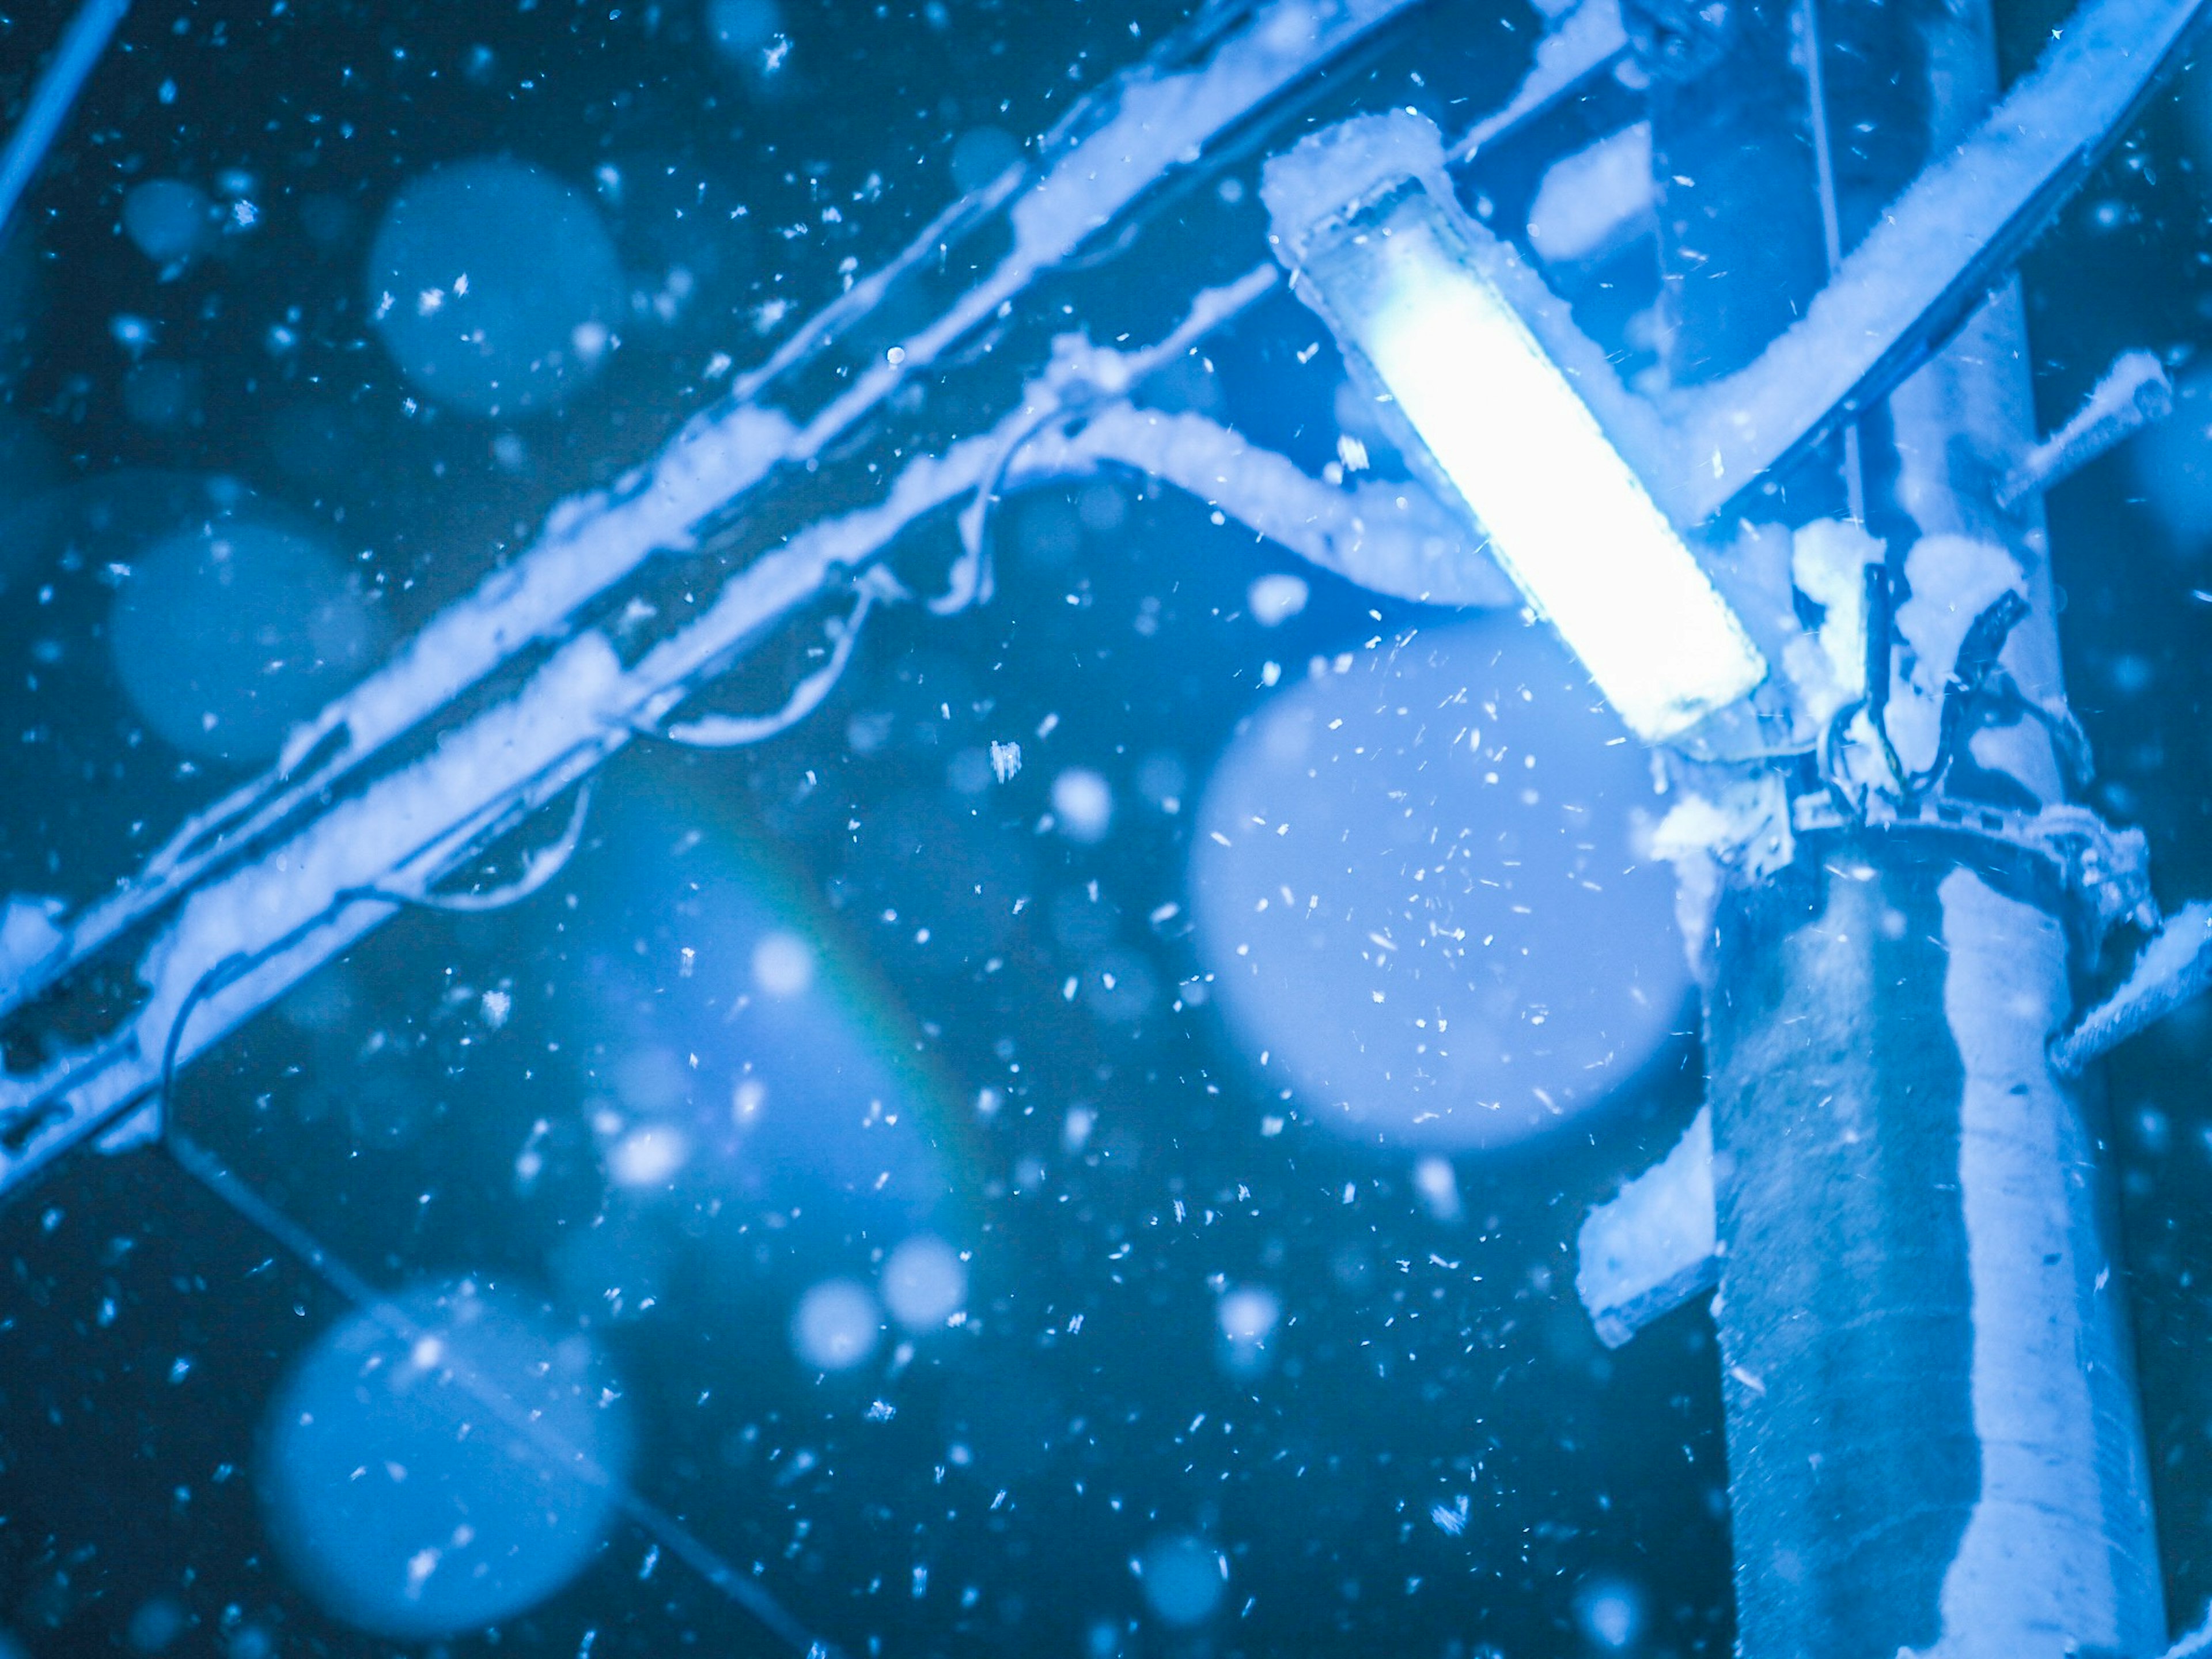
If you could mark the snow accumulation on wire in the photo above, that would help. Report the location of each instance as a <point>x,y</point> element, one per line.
<point>1934,255</point>
<point>263,927</point>
<point>2174,968</point>
<point>2195,1644</point>
<point>1653,1246</point>
<point>592,541</point>
<point>246,934</point>
<point>2130,395</point>
<point>1389,535</point>
<point>1586,39</point>
<point>1896,298</point>
<point>1107,152</point>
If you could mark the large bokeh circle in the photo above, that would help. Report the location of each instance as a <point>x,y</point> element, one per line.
<point>440,1462</point>
<point>494,286</point>
<point>1415,885</point>
<point>226,635</point>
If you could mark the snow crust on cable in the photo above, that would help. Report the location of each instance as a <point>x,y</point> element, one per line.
<point>1391,536</point>
<point>1944,241</point>
<point>1653,1246</point>
<point>1586,41</point>
<point>275,919</point>
<point>2174,968</point>
<point>1110,150</point>
<point>592,541</point>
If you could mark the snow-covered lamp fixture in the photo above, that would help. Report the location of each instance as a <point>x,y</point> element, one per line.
<point>1411,290</point>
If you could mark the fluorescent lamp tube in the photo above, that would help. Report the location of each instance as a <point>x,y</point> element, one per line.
<point>1567,516</point>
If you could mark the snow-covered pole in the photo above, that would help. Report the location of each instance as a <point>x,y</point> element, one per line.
<point>1933,1436</point>
<point>1810,571</point>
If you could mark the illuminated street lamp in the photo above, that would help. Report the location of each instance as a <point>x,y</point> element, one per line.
<point>1895,1188</point>
<point>1403,277</point>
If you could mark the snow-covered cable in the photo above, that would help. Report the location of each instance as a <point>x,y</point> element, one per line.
<point>1588,40</point>
<point>240,940</point>
<point>1932,257</point>
<point>1113,149</point>
<point>2129,395</point>
<point>323,873</point>
<point>2195,1644</point>
<point>1392,536</point>
<point>2174,967</point>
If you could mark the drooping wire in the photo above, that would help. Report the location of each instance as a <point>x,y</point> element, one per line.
<point>970,581</point>
<point>1880,610</point>
<point>1829,763</point>
<point>737,731</point>
<point>543,865</point>
<point>1977,677</point>
<point>221,977</point>
<point>1972,673</point>
<point>540,867</point>
<point>1881,637</point>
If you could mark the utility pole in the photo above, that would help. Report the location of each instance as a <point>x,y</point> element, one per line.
<point>1810,570</point>
<point>1934,1441</point>
<point>1933,1435</point>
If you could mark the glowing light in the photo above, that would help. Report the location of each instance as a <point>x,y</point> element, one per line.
<point>925,1282</point>
<point>1438,1186</point>
<point>783,964</point>
<point>1083,803</point>
<point>1274,598</point>
<point>836,1325</point>
<point>649,1156</point>
<point>1247,1316</point>
<point>1568,518</point>
<point>1610,1612</point>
